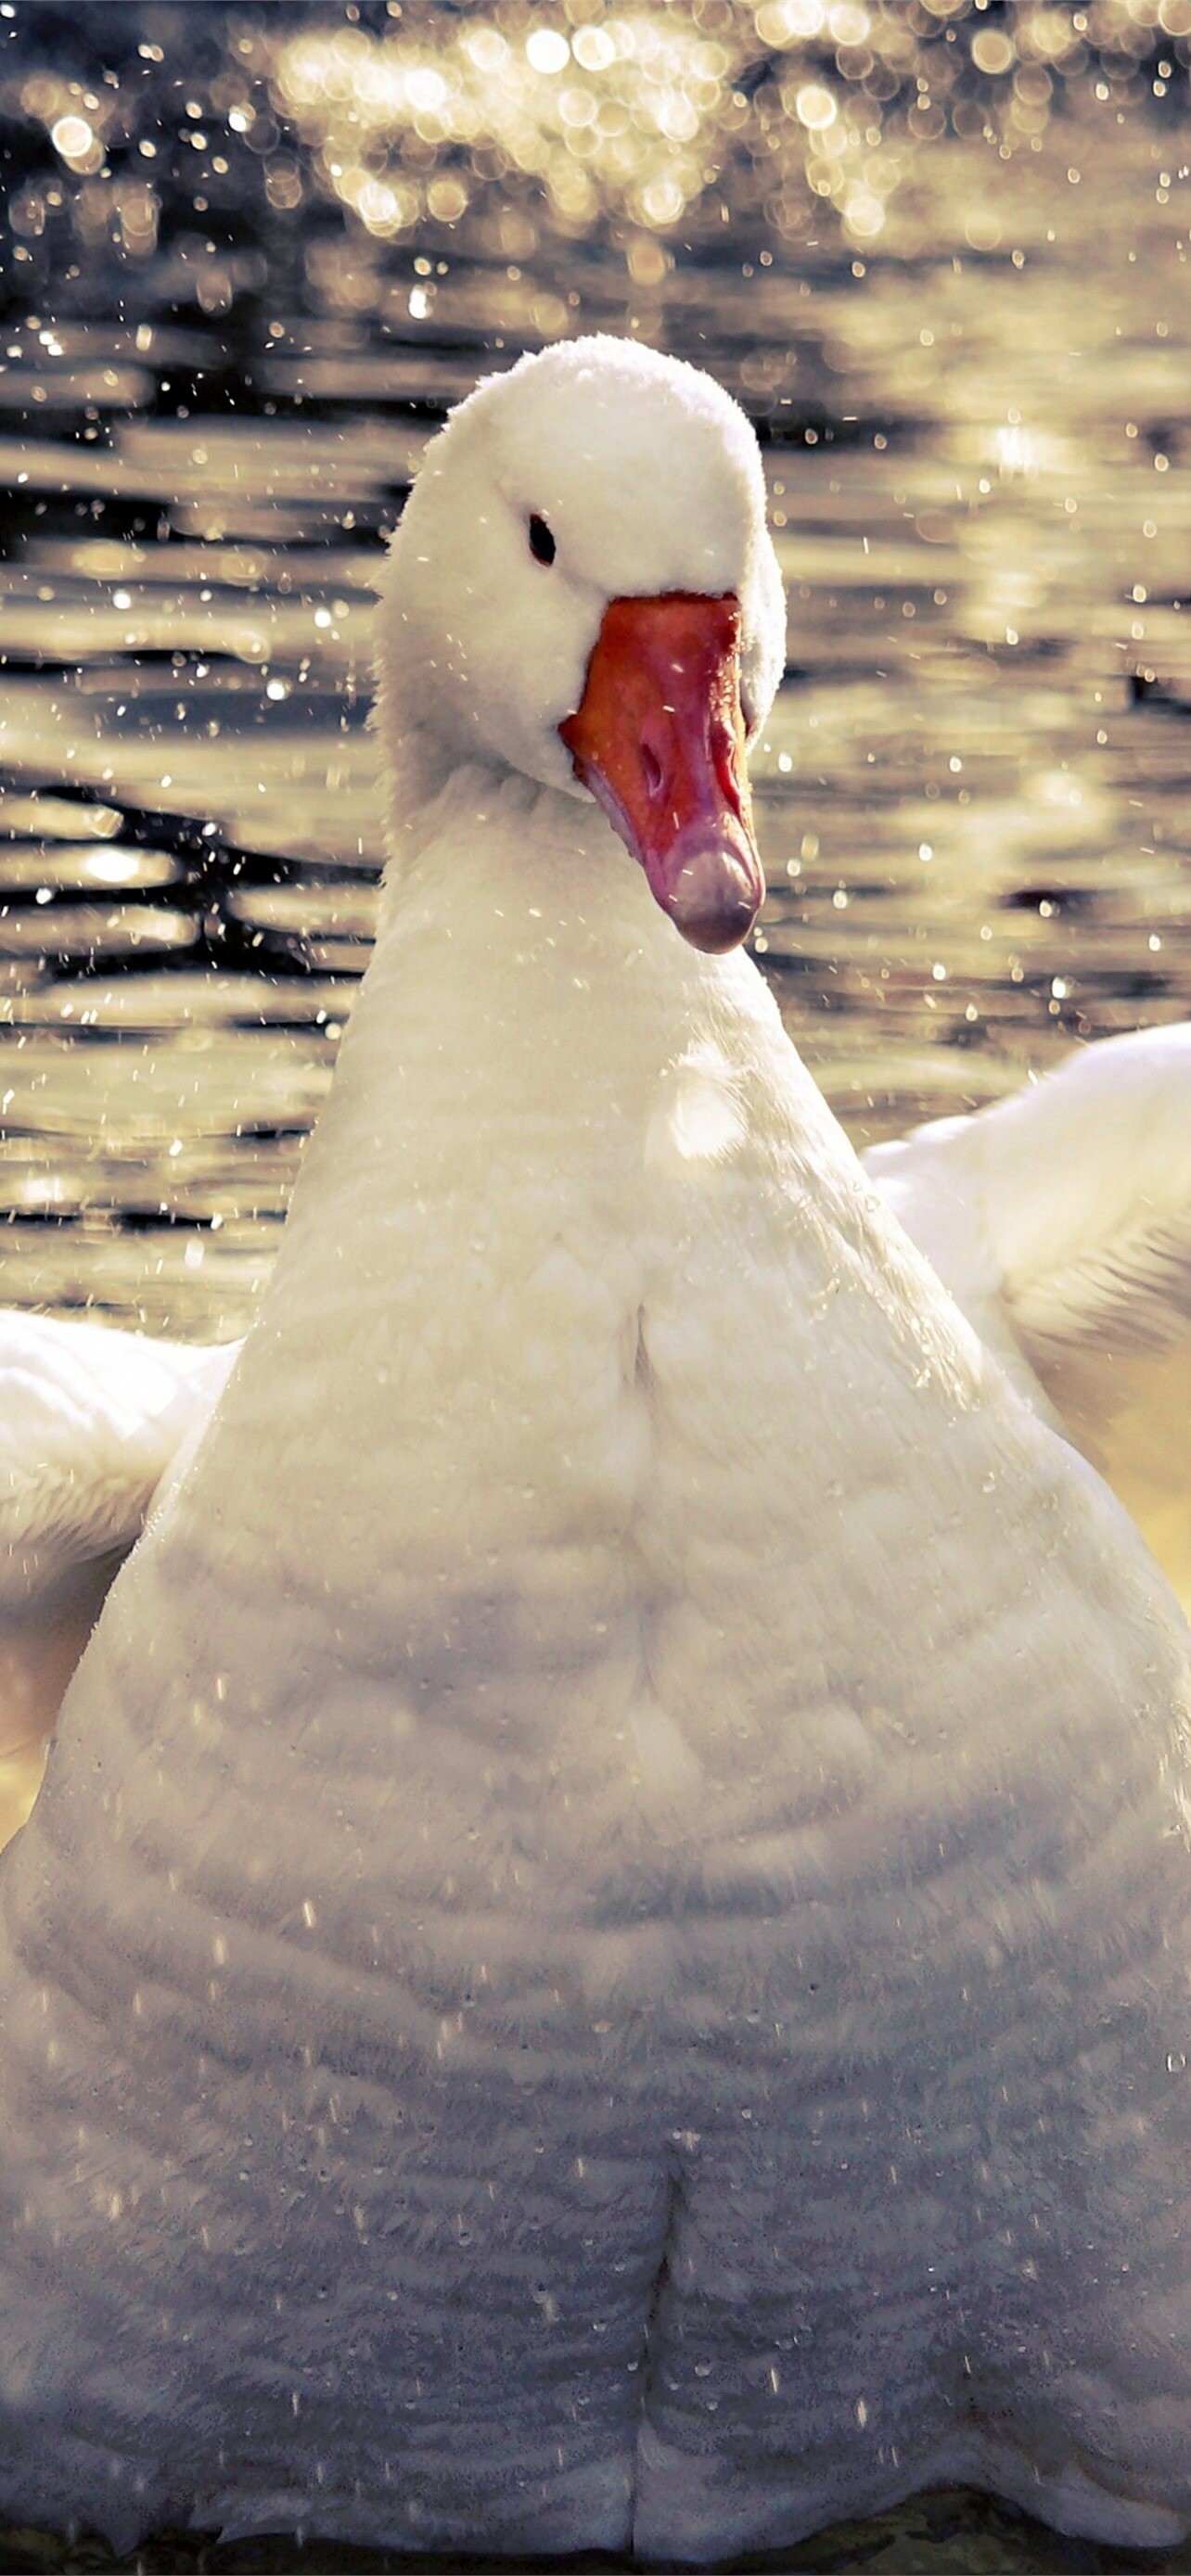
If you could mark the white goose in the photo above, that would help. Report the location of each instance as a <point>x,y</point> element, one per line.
<point>602,1959</point>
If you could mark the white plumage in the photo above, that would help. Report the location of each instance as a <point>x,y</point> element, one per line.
<point>1060,1219</point>
<point>90,1420</point>
<point>603,1955</point>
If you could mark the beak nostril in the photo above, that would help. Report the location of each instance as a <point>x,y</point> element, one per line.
<point>651,771</point>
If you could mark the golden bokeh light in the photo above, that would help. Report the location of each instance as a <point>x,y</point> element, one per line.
<point>635,118</point>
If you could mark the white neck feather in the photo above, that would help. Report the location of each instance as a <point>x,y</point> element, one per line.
<point>522,972</point>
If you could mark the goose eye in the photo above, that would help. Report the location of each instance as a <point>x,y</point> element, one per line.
<point>541,544</point>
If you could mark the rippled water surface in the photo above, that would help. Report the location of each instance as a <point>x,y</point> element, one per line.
<point>966,342</point>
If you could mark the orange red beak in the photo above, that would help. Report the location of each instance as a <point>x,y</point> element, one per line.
<point>659,740</point>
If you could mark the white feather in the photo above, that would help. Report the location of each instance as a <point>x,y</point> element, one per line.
<point>1060,1218</point>
<point>90,1419</point>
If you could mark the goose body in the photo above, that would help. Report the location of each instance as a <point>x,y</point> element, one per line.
<point>1059,1218</point>
<point>591,1969</point>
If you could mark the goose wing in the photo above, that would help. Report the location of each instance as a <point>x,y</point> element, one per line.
<point>90,1420</point>
<point>1060,1218</point>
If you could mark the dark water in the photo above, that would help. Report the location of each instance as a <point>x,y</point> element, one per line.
<point>250,257</point>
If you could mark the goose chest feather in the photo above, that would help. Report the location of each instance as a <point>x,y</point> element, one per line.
<point>602,1960</point>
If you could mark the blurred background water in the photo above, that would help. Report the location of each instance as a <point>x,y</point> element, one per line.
<point>249,255</point>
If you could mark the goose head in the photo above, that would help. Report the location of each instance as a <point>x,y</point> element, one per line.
<point>583,589</point>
